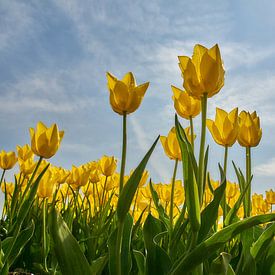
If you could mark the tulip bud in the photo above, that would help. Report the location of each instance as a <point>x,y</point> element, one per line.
<point>45,141</point>
<point>203,73</point>
<point>125,95</point>
<point>170,145</point>
<point>224,129</point>
<point>250,132</point>
<point>7,160</point>
<point>185,105</point>
<point>107,165</point>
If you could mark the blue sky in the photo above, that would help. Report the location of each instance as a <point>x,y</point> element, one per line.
<point>54,56</point>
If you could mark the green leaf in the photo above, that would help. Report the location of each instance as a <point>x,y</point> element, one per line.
<point>128,192</point>
<point>21,241</point>
<point>210,213</point>
<point>220,265</point>
<point>217,240</point>
<point>260,246</point>
<point>157,260</point>
<point>190,184</point>
<point>98,265</point>
<point>126,261</point>
<point>140,260</point>
<point>70,258</point>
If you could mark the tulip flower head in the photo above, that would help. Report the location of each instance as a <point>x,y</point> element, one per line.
<point>45,141</point>
<point>224,129</point>
<point>25,152</point>
<point>107,165</point>
<point>125,95</point>
<point>204,72</point>
<point>170,145</point>
<point>185,105</point>
<point>7,160</point>
<point>250,132</point>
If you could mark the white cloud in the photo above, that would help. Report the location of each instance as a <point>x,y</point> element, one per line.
<point>156,159</point>
<point>17,24</point>
<point>45,92</point>
<point>266,169</point>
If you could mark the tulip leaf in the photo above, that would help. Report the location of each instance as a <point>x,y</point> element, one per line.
<point>190,184</point>
<point>69,255</point>
<point>126,261</point>
<point>233,211</point>
<point>210,213</point>
<point>217,240</point>
<point>260,246</point>
<point>22,239</point>
<point>220,265</point>
<point>140,260</point>
<point>128,192</point>
<point>98,265</point>
<point>157,260</point>
<point>162,215</point>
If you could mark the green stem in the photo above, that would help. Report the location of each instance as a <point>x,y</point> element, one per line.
<point>202,144</point>
<point>248,178</point>
<point>172,194</point>
<point>45,234</point>
<point>119,246</point>
<point>123,155</point>
<point>3,173</point>
<point>224,170</point>
<point>104,190</point>
<point>192,131</point>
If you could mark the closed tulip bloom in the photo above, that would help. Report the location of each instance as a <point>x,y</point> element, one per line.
<point>46,186</point>
<point>45,141</point>
<point>125,95</point>
<point>224,129</point>
<point>7,160</point>
<point>27,166</point>
<point>107,165</point>
<point>250,132</point>
<point>170,145</point>
<point>204,72</point>
<point>25,152</point>
<point>185,105</point>
<point>79,176</point>
<point>270,196</point>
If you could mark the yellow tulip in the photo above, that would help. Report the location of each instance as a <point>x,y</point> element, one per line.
<point>45,141</point>
<point>185,105</point>
<point>107,165</point>
<point>125,95</point>
<point>7,160</point>
<point>224,129</point>
<point>9,188</point>
<point>170,145</point>
<point>27,166</point>
<point>46,186</point>
<point>79,176</point>
<point>250,132</point>
<point>25,152</point>
<point>204,72</point>
<point>270,196</point>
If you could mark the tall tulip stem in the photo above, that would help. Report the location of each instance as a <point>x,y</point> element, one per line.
<point>224,170</point>
<point>172,193</point>
<point>45,234</point>
<point>202,145</point>
<point>123,155</point>
<point>192,131</point>
<point>248,178</point>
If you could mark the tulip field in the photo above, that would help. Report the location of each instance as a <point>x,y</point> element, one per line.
<point>97,219</point>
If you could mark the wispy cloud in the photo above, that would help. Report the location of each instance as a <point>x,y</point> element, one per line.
<point>156,159</point>
<point>266,169</point>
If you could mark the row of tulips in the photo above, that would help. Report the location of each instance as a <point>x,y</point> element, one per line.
<point>94,220</point>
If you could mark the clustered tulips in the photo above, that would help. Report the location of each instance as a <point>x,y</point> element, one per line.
<point>83,209</point>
